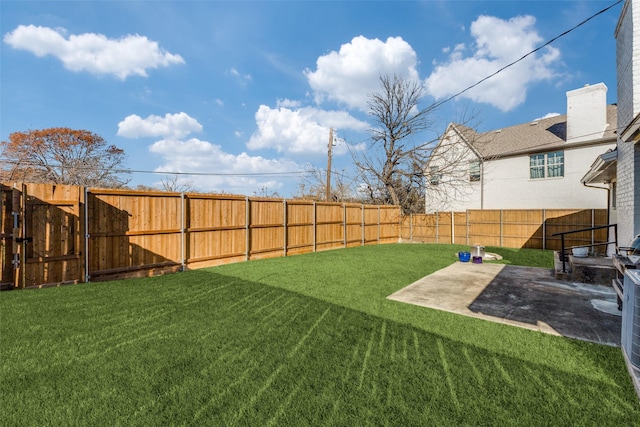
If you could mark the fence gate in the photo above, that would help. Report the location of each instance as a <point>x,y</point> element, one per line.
<point>13,231</point>
<point>41,235</point>
<point>6,238</point>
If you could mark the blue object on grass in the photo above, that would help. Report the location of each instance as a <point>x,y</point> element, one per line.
<point>464,256</point>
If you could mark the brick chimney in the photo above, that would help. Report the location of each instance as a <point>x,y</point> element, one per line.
<point>586,113</point>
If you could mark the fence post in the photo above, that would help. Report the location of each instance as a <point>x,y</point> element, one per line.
<point>400,222</point>
<point>182,233</point>
<point>467,221</point>
<point>593,224</point>
<point>315,226</point>
<point>437,226</point>
<point>453,230</point>
<point>285,220</point>
<point>501,229</point>
<point>344,221</point>
<point>247,243</point>
<point>363,225</point>
<point>378,224</point>
<point>410,228</point>
<point>544,229</point>
<point>86,235</point>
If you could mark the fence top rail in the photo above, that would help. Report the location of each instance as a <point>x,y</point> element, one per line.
<point>214,196</point>
<point>585,229</point>
<point>131,193</point>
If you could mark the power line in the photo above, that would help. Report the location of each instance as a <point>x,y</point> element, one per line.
<point>79,167</point>
<point>438,104</point>
<point>216,174</point>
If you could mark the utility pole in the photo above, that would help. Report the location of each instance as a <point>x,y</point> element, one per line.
<point>328,188</point>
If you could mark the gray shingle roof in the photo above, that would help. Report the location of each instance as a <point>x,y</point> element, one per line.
<point>540,135</point>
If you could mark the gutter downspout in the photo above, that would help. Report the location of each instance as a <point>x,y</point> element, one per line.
<point>481,183</point>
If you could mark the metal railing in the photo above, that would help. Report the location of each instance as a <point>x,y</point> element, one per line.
<point>582,230</point>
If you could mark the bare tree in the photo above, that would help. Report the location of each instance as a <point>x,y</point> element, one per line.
<point>407,157</point>
<point>62,156</point>
<point>266,192</point>
<point>393,166</point>
<point>313,186</point>
<point>173,184</point>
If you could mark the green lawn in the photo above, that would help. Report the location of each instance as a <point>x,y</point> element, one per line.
<point>302,340</point>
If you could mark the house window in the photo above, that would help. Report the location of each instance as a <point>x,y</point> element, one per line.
<point>548,165</point>
<point>555,164</point>
<point>474,171</point>
<point>434,176</point>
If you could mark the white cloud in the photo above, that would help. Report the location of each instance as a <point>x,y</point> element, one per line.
<point>243,78</point>
<point>94,53</point>
<point>497,43</point>
<point>301,131</point>
<point>288,103</point>
<point>197,156</point>
<point>352,74</point>
<point>171,125</point>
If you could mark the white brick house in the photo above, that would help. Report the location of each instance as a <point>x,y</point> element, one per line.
<point>534,165</point>
<point>627,200</point>
<point>620,170</point>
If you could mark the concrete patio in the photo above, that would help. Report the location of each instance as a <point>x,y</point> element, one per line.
<point>526,297</point>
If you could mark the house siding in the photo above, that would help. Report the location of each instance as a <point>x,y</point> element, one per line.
<point>628,75</point>
<point>508,185</point>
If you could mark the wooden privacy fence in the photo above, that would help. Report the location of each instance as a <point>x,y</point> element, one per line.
<point>522,228</point>
<point>55,234</point>
<point>67,234</point>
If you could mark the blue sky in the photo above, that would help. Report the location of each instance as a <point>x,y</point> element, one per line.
<point>243,93</point>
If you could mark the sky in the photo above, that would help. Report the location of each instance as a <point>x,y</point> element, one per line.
<point>239,97</point>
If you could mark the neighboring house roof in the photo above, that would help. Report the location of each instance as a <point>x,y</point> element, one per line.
<point>632,131</point>
<point>539,135</point>
<point>603,170</point>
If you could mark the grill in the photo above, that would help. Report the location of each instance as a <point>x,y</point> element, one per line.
<point>627,286</point>
<point>628,258</point>
<point>634,247</point>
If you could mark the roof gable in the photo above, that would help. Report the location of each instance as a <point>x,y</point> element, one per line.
<point>540,135</point>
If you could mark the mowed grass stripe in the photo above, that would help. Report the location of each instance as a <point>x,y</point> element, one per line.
<point>263,350</point>
<point>448,374</point>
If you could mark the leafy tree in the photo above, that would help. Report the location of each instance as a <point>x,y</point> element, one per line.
<point>62,156</point>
